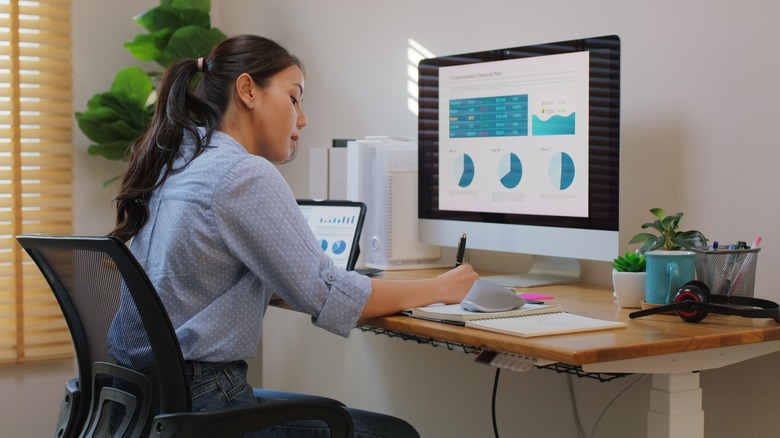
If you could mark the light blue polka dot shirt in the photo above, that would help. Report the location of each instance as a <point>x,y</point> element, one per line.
<point>223,235</point>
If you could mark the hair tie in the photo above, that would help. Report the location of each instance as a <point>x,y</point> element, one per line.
<point>200,64</point>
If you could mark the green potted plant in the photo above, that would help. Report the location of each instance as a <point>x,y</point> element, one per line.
<point>176,29</point>
<point>629,275</point>
<point>669,236</point>
<point>628,279</point>
<point>630,262</point>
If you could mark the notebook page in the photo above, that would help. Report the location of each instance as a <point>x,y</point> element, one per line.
<point>544,324</point>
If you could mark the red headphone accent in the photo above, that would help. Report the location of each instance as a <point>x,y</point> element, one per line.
<point>693,302</point>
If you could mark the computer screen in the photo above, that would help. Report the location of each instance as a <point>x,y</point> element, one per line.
<point>519,149</point>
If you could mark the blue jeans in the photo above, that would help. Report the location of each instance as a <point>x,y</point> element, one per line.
<point>216,385</point>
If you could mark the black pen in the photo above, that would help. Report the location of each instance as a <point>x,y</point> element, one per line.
<point>461,250</point>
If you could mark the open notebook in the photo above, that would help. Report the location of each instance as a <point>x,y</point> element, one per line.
<point>337,225</point>
<point>544,324</point>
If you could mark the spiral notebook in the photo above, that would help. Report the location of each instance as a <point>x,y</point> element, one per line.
<point>543,324</point>
<point>454,313</point>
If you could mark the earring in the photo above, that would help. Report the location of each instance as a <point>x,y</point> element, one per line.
<point>251,105</point>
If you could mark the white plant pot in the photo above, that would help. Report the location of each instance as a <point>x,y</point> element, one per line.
<point>629,288</point>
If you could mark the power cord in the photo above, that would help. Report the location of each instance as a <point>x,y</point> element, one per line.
<point>606,408</point>
<point>512,362</point>
<point>493,406</point>
<point>580,430</point>
<point>578,423</point>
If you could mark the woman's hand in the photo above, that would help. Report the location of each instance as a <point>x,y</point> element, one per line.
<point>456,283</point>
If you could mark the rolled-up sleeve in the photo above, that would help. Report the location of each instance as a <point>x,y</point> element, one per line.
<point>345,302</point>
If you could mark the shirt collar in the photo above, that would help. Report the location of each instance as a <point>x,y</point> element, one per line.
<point>218,139</point>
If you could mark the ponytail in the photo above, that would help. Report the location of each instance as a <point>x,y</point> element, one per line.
<point>152,155</point>
<point>180,110</point>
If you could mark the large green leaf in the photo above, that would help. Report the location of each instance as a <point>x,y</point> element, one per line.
<point>108,130</point>
<point>91,123</point>
<point>658,212</point>
<point>649,242</point>
<point>122,130</point>
<point>118,116</point>
<point>94,102</point>
<point>148,47</point>
<point>656,225</point>
<point>170,17</point>
<point>133,85</point>
<point>191,42</point>
<point>690,239</point>
<point>202,5</point>
<point>116,150</point>
<point>120,107</point>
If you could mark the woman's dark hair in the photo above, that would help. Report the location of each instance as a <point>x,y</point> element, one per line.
<point>180,109</point>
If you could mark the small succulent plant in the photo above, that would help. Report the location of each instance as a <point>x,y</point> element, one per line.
<point>629,262</point>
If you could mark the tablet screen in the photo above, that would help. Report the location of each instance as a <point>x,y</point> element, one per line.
<point>337,226</point>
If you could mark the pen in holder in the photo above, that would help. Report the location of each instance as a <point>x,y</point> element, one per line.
<point>729,272</point>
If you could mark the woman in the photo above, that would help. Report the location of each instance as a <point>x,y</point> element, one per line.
<point>218,230</point>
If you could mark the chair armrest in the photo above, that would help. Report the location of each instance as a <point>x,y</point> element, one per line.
<point>235,422</point>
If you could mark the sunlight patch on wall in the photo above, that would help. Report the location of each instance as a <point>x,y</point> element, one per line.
<point>414,54</point>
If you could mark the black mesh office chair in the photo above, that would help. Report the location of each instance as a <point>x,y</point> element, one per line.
<point>89,276</point>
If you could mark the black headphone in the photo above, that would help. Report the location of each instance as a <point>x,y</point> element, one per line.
<point>693,302</point>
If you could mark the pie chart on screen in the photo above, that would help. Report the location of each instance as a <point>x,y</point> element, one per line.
<point>324,244</point>
<point>561,170</point>
<point>339,246</point>
<point>464,170</point>
<point>510,169</point>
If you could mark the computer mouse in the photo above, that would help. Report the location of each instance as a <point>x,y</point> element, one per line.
<point>489,296</point>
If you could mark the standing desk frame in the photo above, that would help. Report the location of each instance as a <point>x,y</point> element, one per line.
<point>670,349</point>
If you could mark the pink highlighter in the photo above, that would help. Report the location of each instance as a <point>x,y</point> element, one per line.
<point>536,297</point>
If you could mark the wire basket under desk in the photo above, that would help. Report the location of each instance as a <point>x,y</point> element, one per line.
<point>728,269</point>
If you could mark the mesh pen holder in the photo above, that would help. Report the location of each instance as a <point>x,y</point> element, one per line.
<point>728,271</point>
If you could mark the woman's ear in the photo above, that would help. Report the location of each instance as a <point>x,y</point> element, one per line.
<point>245,90</point>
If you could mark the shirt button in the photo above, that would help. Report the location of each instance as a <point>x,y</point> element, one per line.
<point>331,277</point>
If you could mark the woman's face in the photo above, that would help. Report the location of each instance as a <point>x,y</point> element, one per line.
<point>277,117</point>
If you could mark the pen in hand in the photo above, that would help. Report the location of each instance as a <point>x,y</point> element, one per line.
<point>461,250</point>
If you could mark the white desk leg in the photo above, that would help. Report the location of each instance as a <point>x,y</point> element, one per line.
<point>675,407</point>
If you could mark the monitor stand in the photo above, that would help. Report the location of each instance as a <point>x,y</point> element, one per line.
<point>546,270</point>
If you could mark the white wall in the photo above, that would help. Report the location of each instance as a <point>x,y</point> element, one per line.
<point>698,130</point>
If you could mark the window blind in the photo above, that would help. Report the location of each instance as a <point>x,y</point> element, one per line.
<point>36,119</point>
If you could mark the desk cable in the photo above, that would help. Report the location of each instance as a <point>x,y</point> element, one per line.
<point>580,430</point>
<point>493,404</point>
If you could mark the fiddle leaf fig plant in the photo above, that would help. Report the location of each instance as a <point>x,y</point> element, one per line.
<point>177,29</point>
<point>669,236</point>
<point>118,116</point>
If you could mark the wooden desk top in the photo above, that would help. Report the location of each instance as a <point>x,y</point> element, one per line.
<point>643,337</point>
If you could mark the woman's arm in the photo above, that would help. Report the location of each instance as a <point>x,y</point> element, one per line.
<point>392,296</point>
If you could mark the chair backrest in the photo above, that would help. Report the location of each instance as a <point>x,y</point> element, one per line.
<point>129,360</point>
